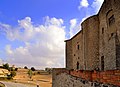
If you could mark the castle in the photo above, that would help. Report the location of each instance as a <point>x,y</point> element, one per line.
<point>97,45</point>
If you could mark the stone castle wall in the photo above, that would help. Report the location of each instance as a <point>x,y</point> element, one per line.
<point>95,47</point>
<point>106,38</point>
<point>77,46</point>
<point>99,40</point>
<point>91,41</point>
<point>69,56</point>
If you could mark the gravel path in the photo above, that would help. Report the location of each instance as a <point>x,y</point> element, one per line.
<point>12,84</point>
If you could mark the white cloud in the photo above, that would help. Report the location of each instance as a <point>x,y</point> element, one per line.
<point>83,3</point>
<point>93,8</point>
<point>44,44</point>
<point>74,27</point>
<point>73,22</point>
<point>96,5</point>
<point>8,49</point>
<point>90,9</point>
<point>53,21</point>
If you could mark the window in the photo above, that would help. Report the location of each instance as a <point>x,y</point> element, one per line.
<point>78,47</point>
<point>74,54</point>
<point>112,34</point>
<point>102,63</point>
<point>102,30</point>
<point>111,20</point>
<point>77,65</point>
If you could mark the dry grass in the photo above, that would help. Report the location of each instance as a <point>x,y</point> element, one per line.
<point>44,79</point>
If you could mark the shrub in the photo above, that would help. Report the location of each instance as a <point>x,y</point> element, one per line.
<point>32,68</point>
<point>25,67</point>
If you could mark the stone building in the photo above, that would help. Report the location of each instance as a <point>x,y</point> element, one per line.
<point>97,45</point>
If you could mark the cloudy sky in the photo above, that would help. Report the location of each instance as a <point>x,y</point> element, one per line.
<point>32,32</point>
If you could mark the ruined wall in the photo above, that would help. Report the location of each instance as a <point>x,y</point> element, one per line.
<point>65,80</point>
<point>91,42</point>
<point>77,47</point>
<point>69,56</point>
<point>80,78</point>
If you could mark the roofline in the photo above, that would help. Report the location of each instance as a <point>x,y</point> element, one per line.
<point>101,7</point>
<point>86,20</point>
<point>74,36</point>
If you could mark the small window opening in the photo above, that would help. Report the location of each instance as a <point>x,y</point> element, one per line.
<point>102,63</point>
<point>102,30</point>
<point>112,34</point>
<point>78,47</point>
<point>111,20</point>
<point>77,65</point>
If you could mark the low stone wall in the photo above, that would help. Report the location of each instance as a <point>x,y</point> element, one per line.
<point>62,77</point>
<point>65,80</point>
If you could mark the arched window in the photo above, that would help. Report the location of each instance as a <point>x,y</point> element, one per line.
<point>110,17</point>
<point>111,20</point>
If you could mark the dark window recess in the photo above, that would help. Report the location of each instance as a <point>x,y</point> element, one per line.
<point>74,54</point>
<point>102,63</point>
<point>112,34</point>
<point>102,30</point>
<point>78,47</point>
<point>78,58</point>
<point>111,20</point>
<point>77,65</point>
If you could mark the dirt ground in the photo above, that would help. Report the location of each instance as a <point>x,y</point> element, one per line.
<point>42,78</point>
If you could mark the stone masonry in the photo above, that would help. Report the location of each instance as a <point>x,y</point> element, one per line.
<point>93,54</point>
<point>97,45</point>
<point>85,78</point>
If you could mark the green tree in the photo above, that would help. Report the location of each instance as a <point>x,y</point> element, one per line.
<point>30,73</point>
<point>16,69</point>
<point>32,68</point>
<point>25,67</point>
<point>13,74</point>
<point>6,66</point>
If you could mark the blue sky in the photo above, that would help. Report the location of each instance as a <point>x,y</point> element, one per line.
<point>32,32</point>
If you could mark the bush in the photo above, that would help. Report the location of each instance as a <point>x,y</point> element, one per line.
<point>9,77</point>
<point>32,68</point>
<point>16,69</point>
<point>25,67</point>
<point>13,74</point>
<point>38,72</point>
<point>30,73</point>
<point>6,66</point>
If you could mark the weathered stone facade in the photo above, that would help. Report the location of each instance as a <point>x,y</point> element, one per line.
<point>97,45</point>
<point>93,54</point>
